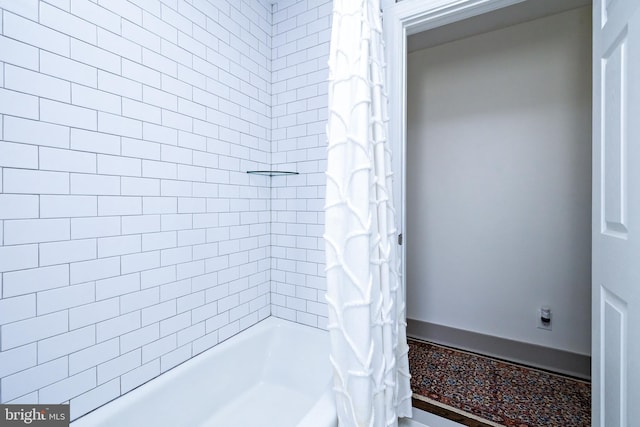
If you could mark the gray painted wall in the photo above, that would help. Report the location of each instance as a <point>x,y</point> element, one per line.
<point>499,182</point>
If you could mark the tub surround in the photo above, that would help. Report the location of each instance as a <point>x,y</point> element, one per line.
<point>132,238</point>
<point>278,369</point>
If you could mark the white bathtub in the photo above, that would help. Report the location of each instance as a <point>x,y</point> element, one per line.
<point>274,374</point>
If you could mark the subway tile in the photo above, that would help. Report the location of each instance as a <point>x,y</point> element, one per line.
<point>117,286</point>
<point>98,396</point>
<point>32,33</point>
<point>96,99</point>
<point>176,87</point>
<point>68,388</point>
<point>175,255</point>
<point>66,23</point>
<point>158,348</point>
<point>142,74</point>
<point>64,344</point>
<point>160,205</point>
<point>141,149</point>
<point>177,54</point>
<point>34,279</point>
<point>18,53</point>
<point>191,237</point>
<point>34,132</point>
<point>119,245</point>
<point>57,159</point>
<point>124,8</point>
<point>92,12</point>
<point>135,224</point>
<point>35,182</point>
<point>189,302</point>
<point>190,334</point>
<point>156,169</point>
<point>162,134</point>
<point>94,269</point>
<point>140,186</point>
<point>94,227</point>
<point>117,205</point>
<point>65,297</point>
<point>174,290</point>
<point>115,165</point>
<point>140,262</point>
<point>33,378</point>
<point>204,215</point>
<point>25,8</point>
<point>68,69</point>
<point>170,187</point>
<point>119,45</point>
<point>171,222</point>
<point>140,375</point>
<point>158,62</point>
<point>118,125</point>
<point>140,36</point>
<point>93,313</point>
<point>67,206</point>
<point>18,359</point>
<point>18,257</point>
<point>34,83</point>
<point>158,312</point>
<point>18,104</point>
<point>206,342</point>
<point>191,269</point>
<point>95,184</point>
<point>66,114</point>
<point>17,308</point>
<point>159,98</point>
<point>118,85</point>
<point>65,252</point>
<point>162,240</point>
<point>93,356</point>
<point>36,230</point>
<point>175,324</point>
<point>159,27</point>
<point>177,120</point>
<point>175,357</point>
<point>141,299</point>
<point>158,276</point>
<point>14,206</point>
<point>18,155</point>
<point>176,20</point>
<point>117,326</point>
<point>33,329</point>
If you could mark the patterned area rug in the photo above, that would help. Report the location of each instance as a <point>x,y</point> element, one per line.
<point>496,392</point>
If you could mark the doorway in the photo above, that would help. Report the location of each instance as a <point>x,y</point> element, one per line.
<point>498,188</point>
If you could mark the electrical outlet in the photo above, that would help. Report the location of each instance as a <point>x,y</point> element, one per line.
<point>540,324</point>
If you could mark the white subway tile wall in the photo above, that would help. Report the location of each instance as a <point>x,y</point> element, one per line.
<point>131,237</point>
<point>300,51</point>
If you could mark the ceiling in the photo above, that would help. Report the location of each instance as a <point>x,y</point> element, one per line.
<point>501,18</point>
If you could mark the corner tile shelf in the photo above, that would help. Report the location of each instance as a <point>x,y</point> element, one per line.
<point>272,173</point>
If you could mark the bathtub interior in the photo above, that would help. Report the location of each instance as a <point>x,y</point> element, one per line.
<point>274,370</point>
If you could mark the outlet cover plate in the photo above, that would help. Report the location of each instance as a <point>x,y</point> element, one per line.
<point>539,324</point>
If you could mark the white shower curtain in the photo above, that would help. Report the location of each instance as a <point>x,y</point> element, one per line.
<point>365,296</point>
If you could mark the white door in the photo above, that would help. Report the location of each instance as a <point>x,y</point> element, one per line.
<point>616,213</point>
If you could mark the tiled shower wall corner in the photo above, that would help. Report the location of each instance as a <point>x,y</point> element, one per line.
<point>301,33</point>
<point>132,238</point>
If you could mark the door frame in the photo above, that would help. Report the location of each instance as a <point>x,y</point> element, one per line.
<point>400,21</point>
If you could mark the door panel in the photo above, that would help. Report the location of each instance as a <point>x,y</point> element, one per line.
<point>616,213</point>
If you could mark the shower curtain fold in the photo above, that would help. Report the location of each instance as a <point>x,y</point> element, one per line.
<point>365,296</point>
